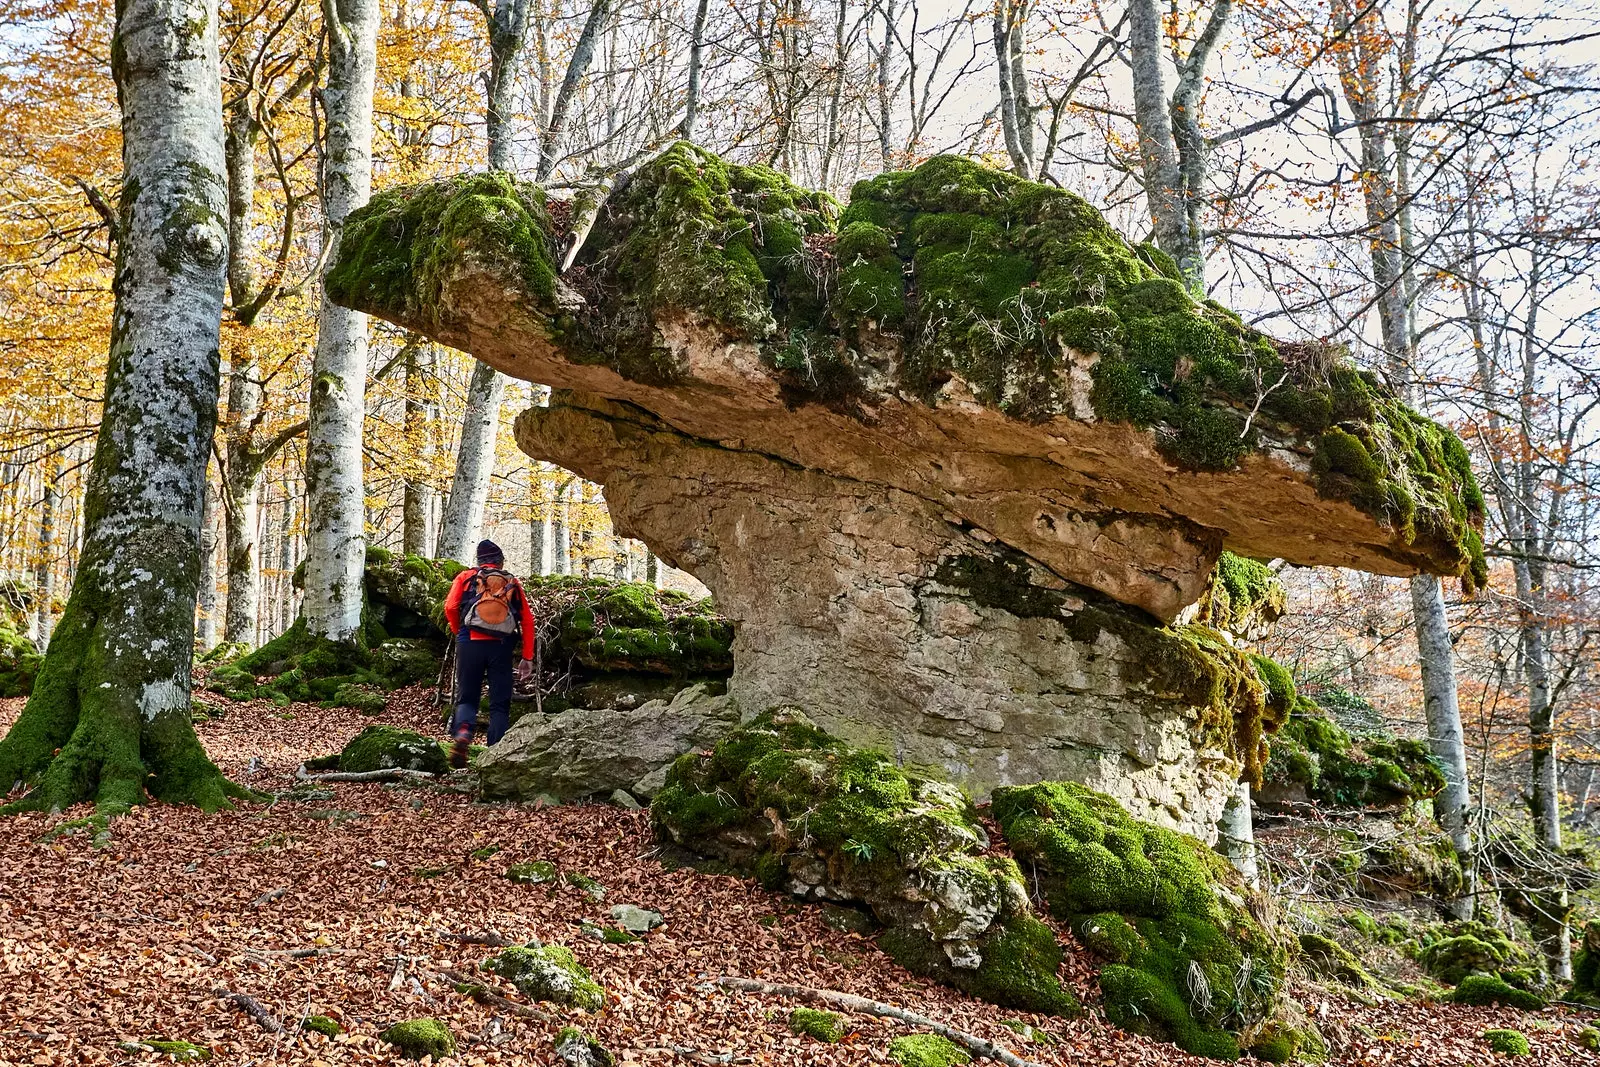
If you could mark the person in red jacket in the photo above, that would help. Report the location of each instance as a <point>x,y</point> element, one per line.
<point>490,615</point>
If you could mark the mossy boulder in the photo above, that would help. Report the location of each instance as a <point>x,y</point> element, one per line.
<point>1243,597</point>
<point>416,1038</point>
<point>927,1050</point>
<point>1190,953</point>
<point>574,1048</point>
<point>384,747</point>
<point>1481,989</point>
<point>808,814</point>
<point>825,1026</point>
<point>1327,958</point>
<point>19,661</point>
<point>321,1024</point>
<point>1586,967</point>
<point>1507,1042</point>
<point>630,627</point>
<point>180,1051</point>
<point>1313,756</point>
<point>1453,951</point>
<point>535,872</point>
<point>548,972</point>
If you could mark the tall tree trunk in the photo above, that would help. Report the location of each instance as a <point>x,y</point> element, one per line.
<point>44,573</point>
<point>109,716</point>
<point>1158,153</point>
<point>577,67</point>
<point>240,523</point>
<point>417,509</point>
<point>1453,806</point>
<point>508,28</point>
<point>562,537</point>
<point>336,532</point>
<point>1236,837</point>
<point>469,492</point>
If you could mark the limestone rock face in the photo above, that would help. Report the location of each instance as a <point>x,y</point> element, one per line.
<point>583,752</point>
<point>948,460</point>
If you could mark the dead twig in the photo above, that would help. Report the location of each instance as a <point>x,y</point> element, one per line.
<point>384,774</point>
<point>253,1008</point>
<point>489,998</point>
<point>976,1045</point>
<point>483,937</point>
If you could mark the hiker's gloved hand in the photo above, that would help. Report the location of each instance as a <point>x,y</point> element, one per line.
<point>525,671</point>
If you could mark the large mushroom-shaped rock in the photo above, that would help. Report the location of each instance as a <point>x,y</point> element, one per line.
<point>949,460</point>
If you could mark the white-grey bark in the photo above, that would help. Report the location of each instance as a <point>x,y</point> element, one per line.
<point>416,537</point>
<point>205,627</point>
<point>562,535</point>
<point>1436,656</point>
<point>109,716</point>
<point>469,490</point>
<point>697,47</point>
<point>44,574</point>
<point>508,28</point>
<point>550,141</point>
<point>1236,835</point>
<point>336,533</point>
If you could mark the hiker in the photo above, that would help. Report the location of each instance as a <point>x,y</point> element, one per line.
<point>492,620</point>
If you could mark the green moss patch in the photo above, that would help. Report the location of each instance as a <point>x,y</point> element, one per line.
<point>630,627</point>
<point>321,1024</point>
<point>548,972</point>
<point>576,1049</point>
<point>1315,753</point>
<point>1187,958</point>
<point>1481,989</point>
<point>19,662</point>
<point>826,1026</point>
<point>1507,1042</point>
<point>806,813</point>
<point>1452,952</point>
<point>382,747</point>
<point>181,1051</point>
<point>926,1050</point>
<point>1242,597</point>
<point>416,1038</point>
<point>536,872</point>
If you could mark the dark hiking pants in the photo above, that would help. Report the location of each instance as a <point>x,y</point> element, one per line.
<point>475,661</point>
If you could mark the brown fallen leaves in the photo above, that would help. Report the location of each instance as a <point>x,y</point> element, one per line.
<point>353,906</point>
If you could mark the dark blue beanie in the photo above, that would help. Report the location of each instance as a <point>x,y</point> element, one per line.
<point>489,552</point>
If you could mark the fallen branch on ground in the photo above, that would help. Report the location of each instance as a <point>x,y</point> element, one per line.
<point>253,1008</point>
<point>486,996</point>
<point>485,937</point>
<point>976,1045</point>
<point>384,774</point>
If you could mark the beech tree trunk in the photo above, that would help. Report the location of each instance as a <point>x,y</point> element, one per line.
<point>469,491</point>
<point>1453,806</point>
<point>44,575</point>
<point>336,535</point>
<point>1236,837</point>
<point>417,508</point>
<point>205,633</point>
<point>108,720</point>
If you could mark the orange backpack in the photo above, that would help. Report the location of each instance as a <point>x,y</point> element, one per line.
<point>491,605</point>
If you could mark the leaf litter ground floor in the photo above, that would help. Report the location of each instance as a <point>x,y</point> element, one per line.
<point>352,902</point>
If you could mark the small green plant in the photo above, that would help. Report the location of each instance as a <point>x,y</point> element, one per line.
<point>826,1026</point>
<point>858,850</point>
<point>926,1050</point>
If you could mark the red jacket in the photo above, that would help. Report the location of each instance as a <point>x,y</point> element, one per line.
<point>452,612</point>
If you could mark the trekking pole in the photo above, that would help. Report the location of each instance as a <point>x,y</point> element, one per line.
<point>447,674</point>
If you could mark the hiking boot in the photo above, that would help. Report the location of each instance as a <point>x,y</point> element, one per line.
<point>458,751</point>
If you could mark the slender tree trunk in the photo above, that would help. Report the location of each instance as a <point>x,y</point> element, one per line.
<point>109,717</point>
<point>1453,806</point>
<point>697,47</point>
<point>469,492</point>
<point>417,508</point>
<point>44,573</point>
<point>577,67</point>
<point>652,568</point>
<point>240,521</point>
<point>336,533</point>
<point>1158,153</point>
<point>205,634</point>
<point>563,532</point>
<point>508,23</point>
<point>1236,835</point>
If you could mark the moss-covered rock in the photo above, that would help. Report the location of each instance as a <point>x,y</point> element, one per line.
<point>1586,967</point>
<point>1507,1042</point>
<point>416,1038</point>
<point>1190,956</point>
<point>1326,958</point>
<point>535,872</point>
<point>181,1051</point>
<point>382,747</point>
<point>927,1050</point>
<point>548,972</point>
<point>1589,1038</point>
<point>577,1049</point>
<point>1315,756</point>
<point>19,661</point>
<point>1453,951</point>
<point>826,1026</point>
<point>808,814</point>
<point>1481,989</point>
<point>1243,597</point>
<point>321,1024</point>
<point>629,627</point>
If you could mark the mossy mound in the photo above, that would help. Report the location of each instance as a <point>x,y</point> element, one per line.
<point>416,1038</point>
<point>401,640</point>
<point>548,972</point>
<point>180,1051</point>
<point>19,661</point>
<point>1481,989</point>
<point>536,872</point>
<point>1453,951</point>
<point>1507,1042</point>
<point>576,1049</point>
<point>1316,755</point>
<point>1327,958</point>
<point>402,247</point>
<point>1190,956</point>
<point>630,627</point>
<point>1242,597</point>
<point>1589,1038</point>
<point>321,1024</point>
<point>1241,699</point>
<point>926,1050</point>
<point>1586,968</point>
<point>825,1026</point>
<point>808,814</point>
<point>383,747</point>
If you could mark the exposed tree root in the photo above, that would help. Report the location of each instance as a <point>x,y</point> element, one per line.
<point>976,1045</point>
<point>384,774</point>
